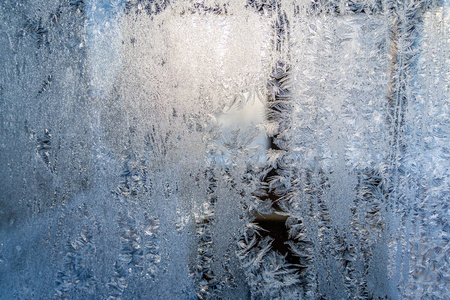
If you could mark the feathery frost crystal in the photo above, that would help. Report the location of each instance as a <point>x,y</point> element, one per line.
<point>243,149</point>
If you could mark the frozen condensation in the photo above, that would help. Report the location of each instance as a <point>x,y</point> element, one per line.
<point>155,149</point>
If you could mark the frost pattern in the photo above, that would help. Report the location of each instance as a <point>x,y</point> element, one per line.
<point>425,181</point>
<point>273,149</point>
<point>139,254</point>
<point>77,276</point>
<point>331,151</point>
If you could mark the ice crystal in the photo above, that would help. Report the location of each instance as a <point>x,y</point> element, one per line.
<point>77,275</point>
<point>199,149</point>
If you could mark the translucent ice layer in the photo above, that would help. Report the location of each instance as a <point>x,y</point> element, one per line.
<point>285,149</point>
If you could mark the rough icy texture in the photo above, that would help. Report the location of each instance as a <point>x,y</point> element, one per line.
<point>224,149</point>
<point>425,183</point>
<point>335,140</point>
<point>110,151</point>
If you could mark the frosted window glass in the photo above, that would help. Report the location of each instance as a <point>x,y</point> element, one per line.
<point>155,149</point>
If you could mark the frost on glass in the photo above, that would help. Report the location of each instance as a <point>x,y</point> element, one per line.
<point>334,140</point>
<point>224,149</point>
<point>424,185</point>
